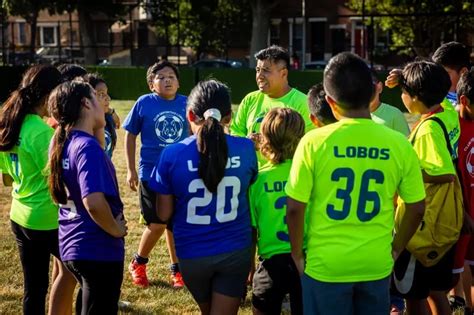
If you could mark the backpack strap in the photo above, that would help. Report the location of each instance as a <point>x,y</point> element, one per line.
<point>445,132</point>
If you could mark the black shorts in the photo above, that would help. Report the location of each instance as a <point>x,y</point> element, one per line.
<point>148,205</point>
<point>412,280</point>
<point>224,273</point>
<point>273,279</point>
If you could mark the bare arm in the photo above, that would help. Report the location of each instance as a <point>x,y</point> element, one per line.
<point>295,220</point>
<point>410,223</point>
<point>164,207</point>
<point>130,145</point>
<point>100,211</point>
<point>439,179</point>
<point>6,179</point>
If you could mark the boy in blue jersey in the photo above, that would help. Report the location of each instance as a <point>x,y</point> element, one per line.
<point>160,119</point>
<point>202,184</point>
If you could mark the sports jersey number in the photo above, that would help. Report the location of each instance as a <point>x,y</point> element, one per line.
<point>280,204</point>
<point>71,206</point>
<point>232,182</point>
<point>365,195</point>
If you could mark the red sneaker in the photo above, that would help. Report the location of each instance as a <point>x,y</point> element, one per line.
<point>177,280</point>
<point>138,273</point>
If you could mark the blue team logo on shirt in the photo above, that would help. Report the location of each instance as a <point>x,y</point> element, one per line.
<point>169,126</point>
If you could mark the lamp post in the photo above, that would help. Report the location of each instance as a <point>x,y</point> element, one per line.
<point>303,48</point>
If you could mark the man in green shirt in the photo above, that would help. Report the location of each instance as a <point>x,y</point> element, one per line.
<point>273,91</point>
<point>344,178</point>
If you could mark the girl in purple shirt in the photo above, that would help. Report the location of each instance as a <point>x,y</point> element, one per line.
<point>83,181</point>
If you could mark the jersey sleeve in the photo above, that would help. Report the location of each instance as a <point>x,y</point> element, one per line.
<point>411,188</point>
<point>238,126</point>
<point>92,171</point>
<point>300,180</point>
<point>133,122</point>
<point>432,151</point>
<point>400,123</point>
<point>160,179</point>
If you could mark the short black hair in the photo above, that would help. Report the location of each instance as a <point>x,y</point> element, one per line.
<point>94,79</point>
<point>70,71</point>
<point>347,80</point>
<point>275,54</point>
<point>466,85</point>
<point>426,80</point>
<point>453,55</point>
<point>318,106</point>
<point>153,69</point>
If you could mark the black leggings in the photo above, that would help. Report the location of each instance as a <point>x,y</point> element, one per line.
<point>100,283</point>
<point>35,248</point>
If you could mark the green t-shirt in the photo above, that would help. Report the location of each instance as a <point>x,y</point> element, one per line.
<point>268,209</point>
<point>348,173</point>
<point>32,206</point>
<point>430,144</point>
<point>391,117</point>
<point>256,104</point>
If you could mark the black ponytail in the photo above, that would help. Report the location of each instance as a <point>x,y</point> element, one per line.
<point>210,100</point>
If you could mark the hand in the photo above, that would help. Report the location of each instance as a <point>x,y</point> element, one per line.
<point>132,179</point>
<point>395,254</point>
<point>122,224</point>
<point>256,138</point>
<point>299,262</point>
<point>116,119</point>
<point>393,78</point>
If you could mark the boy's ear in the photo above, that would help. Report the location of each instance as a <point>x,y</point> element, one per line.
<point>464,101</point>
<point>192,116</point>
<point>315,121</point>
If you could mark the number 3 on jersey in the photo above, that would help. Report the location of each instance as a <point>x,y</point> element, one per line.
<point>228,182</point>
<point>365,195</point>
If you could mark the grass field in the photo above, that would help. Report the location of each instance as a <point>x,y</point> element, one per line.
<point>159,298</point>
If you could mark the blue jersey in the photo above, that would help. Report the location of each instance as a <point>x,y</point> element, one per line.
<point>160,123</point>
<point>205,223</point>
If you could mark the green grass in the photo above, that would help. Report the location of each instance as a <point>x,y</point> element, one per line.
<point>159,298</point>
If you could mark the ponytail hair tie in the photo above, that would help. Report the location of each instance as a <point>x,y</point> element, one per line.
<point>214,113</point>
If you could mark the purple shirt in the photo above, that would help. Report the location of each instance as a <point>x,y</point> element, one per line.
<point>86,170</point>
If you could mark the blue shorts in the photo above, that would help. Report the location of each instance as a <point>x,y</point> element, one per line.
<point>364,298</point>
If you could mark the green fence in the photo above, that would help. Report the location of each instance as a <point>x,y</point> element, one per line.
<point>128,83</point>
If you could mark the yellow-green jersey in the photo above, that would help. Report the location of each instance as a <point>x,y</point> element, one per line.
<point>430,144</point>
<point>348,174</point>
<point>268,209</point>
<point>32,206</point>
<point>256,104</point>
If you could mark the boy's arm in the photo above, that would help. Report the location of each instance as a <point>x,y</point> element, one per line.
<point>438,179</point>
<point>164,207</point>
<point>130,145</point>
<point>408,226</point>
<point>253,250</point>
<point>295,220</point>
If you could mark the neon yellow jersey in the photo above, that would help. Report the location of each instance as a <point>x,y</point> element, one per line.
<point>256,104</point>
<point>32,206</point>
<point>348,173</point>
<point>430,144</point>
<point>391,117</point>
<point>268,209</point>
<point>446,104</point>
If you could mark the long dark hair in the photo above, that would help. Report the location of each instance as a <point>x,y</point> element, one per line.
<point>38,81</point>
<point>65,103</point>
<point>211,139</point>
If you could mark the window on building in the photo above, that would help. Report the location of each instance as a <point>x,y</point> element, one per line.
<point>48,35</point>
<point>102,32</point>
<point>21,33</point>
<point>274,33</point>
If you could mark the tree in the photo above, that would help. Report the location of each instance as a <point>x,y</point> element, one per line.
<point>28,10</point>
<point>207,26</point>
<point>419,26</point>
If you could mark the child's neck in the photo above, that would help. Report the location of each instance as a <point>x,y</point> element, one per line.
<point>428,111</point>
<point>356,113</point>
